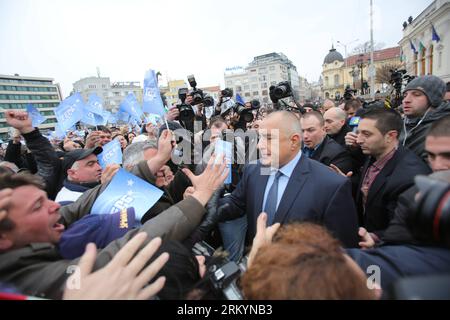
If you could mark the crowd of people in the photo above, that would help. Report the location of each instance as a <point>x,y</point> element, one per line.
<point>310,201</point>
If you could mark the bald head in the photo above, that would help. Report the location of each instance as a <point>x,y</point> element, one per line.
<point>285,121</point>
<point>280,138</point>
<point>334,120</point>
<point>327,105</point>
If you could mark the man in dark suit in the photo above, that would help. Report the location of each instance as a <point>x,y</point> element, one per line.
<point>388,171</point>
<point>318,146</point>
<point>289,186</point>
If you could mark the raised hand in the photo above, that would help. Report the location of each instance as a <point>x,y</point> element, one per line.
<point>19,120</point>
<point>126,276</point>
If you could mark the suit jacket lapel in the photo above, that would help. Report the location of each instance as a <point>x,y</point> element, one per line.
<point>295,185</point>
<point>382,177</point>
<point>260,187</point>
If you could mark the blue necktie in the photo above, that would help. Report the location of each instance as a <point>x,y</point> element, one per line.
<point>272,198</point>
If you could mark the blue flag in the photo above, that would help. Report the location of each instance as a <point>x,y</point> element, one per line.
<point>435,36</point>
<point>70,111</point>
<point>124,191</point>
<point>58,133</point>
<point>122,116</point>
<point>93,112</point>
<point>94,105</point>
<point>131,106</point>
<point>151,101</point>
<point>36,117</point>
<point>239,99</point>
<point>413,48</point>
<point>112,118</point>
<point>112,154</point>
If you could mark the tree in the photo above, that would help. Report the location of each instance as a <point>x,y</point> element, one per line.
<point>384,74</point>
<point>365,47</point>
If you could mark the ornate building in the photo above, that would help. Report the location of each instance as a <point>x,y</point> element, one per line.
<point>338,73</point>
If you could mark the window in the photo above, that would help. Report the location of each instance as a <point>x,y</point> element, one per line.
<point>264,85</point>
<point>262,78</point>
<point>416,69</point>
<point>271,68</point>
<point>430,65</point>
<point>238,89</point>
<point>336,80</point>
<point>423,61</point>
<point>326,81</point>
<point>255,86</point>
<point>254,79</point>
<point>229,83</point>
<point>247,94</point>
<point>264,93</point>
<point>246,87</point>
<point>255,93</point>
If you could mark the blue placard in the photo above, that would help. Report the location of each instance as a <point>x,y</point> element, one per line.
<point>124,191</point>
<point>112,154</point>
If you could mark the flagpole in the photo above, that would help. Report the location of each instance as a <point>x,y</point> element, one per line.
<point>372,66</point>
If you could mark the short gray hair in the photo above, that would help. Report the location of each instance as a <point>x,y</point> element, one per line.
<point>134,153</point>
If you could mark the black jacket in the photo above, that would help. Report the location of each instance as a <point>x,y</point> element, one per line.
<point>413,134</point>
<point>13,154</point>
<point>395,178</point>
<point>330,152</point>
<point>340,136</point>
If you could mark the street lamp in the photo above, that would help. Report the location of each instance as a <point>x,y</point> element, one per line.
<point>360,64</point>
<point>345,48</point>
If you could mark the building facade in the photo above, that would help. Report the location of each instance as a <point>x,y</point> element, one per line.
<point>253,81</point>
<point>428,56</point>
<point>17,91</point>
<point>353,71</point>
<point>112,94</point>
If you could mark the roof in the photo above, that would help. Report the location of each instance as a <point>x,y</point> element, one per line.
<point>333,56</point>
<point>380,55</point>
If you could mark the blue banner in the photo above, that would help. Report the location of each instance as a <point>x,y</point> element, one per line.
<point>124,191</point>
<point>112,154</point>
<point>70,111</point>
<point>131,106</point>
<point>152,102</point>
<point>94,115</point>
<point>36,117</point>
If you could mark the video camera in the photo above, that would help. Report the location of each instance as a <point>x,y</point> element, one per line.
<point>397,80</point>
<point>227,93</point>
<point>349,92</point>
<point>197,94</point>
<point>186,111</point>
<point>246,113</point>
<point>222,273</point>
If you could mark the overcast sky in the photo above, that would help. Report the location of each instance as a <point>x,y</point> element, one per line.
<point>67,39</point>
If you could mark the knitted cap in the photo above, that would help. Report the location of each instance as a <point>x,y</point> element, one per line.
<point>432,86</point>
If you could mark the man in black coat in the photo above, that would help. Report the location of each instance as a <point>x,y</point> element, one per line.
<point>336,125</point>
<point>388,171</point>
<point>318,146</point>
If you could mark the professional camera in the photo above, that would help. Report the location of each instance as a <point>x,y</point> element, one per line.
<point>245,112</point>
<point>186,111</point>
<point>197,94</point>
<point>349,92</point>
<point>227,93</point>
<point>431,219</point>
<point>280,91</point>
<point>221,272</point>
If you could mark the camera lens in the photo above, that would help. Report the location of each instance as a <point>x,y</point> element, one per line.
<point>280,91</point>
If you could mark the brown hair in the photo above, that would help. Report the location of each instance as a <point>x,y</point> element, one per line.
<point>304,262</point>
<point>314,114</point>
<point>440,128</point>
<point>13,181</point>
<point>353,104</point>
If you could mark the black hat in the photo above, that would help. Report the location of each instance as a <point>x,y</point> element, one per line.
<point>78,154</point>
